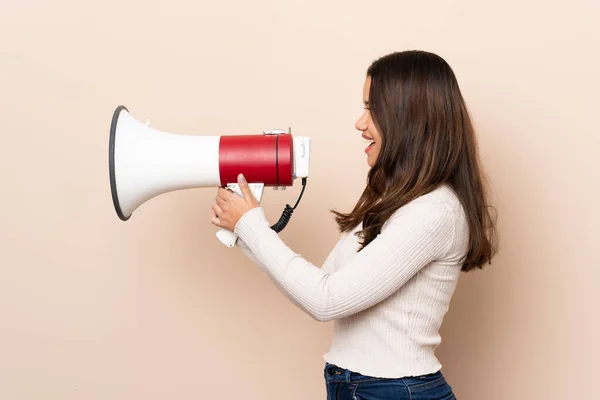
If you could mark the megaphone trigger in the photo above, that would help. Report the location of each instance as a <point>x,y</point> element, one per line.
<point>257,189</point>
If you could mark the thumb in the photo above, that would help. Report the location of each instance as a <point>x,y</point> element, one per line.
<point>244,188</point>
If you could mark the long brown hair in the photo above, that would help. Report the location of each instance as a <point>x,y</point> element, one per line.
<point>427,141</point>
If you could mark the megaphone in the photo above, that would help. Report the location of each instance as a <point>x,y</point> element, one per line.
<point>145,162</point>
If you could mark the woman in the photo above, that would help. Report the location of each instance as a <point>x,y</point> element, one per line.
<point>422,218</point>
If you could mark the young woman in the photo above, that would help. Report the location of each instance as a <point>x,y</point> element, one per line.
<point>421,220</point>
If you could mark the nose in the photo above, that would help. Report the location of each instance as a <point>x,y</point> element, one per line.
<point>361,124</point>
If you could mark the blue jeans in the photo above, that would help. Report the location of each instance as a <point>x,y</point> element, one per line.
<point>343,384</point>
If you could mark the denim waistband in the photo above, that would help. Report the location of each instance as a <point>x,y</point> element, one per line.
<point>334,373</point>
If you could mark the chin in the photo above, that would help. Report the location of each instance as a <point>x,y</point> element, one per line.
<point>371,159</point>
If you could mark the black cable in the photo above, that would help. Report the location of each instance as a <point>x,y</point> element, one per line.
<point>287,213</point>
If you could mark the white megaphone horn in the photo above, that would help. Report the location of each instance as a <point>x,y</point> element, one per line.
<point>145,162</point>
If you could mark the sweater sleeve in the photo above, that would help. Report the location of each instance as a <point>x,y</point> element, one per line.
<point>417,234</point>
<point>328,265</point>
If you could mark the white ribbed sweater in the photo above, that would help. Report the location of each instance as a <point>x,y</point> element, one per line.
<point>389,299</point>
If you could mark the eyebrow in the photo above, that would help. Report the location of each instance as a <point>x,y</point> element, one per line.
<point>366,102</point>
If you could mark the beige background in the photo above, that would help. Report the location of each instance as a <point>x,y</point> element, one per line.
<point>94,308</point>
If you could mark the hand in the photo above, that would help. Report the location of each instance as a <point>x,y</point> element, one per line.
<point>229,207</point>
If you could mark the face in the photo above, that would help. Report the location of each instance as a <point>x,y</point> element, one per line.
<point>367,126</point>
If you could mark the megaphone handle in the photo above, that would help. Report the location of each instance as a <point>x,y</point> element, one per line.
<point>227,237</point>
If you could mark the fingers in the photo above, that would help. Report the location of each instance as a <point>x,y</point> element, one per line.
<point>223,198</point>
<point>224,194</point>
<point>217,210</point>
<point>245,189</point>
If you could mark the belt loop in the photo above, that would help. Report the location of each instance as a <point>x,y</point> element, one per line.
<point>347,374</point>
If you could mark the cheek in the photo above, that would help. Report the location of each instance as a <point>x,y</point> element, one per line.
<point>377,149</point>
<point>376,152</point>
<point>373,130</point>
<point>371,125</point>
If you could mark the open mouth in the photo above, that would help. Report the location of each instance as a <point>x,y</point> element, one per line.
<point>370,146</point>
